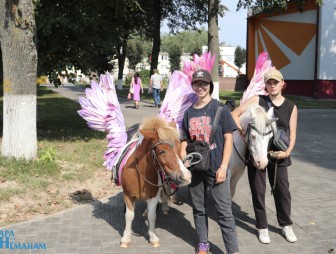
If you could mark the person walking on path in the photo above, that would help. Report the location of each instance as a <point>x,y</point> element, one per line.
<point>197,124</point>
<point>157,86</point>
<point>135,86</point>
<point>286,112</point>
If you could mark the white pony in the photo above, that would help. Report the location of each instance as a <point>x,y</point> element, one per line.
<point>260,126</point>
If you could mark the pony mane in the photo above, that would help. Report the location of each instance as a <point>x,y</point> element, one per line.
<point>165,132</point>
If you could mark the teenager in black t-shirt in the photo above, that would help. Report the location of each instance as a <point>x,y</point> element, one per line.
<point>197,124</point>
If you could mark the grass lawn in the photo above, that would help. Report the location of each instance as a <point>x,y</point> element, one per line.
<point>70,158</point>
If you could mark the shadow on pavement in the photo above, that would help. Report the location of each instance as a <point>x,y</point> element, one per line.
<point>175,222</point>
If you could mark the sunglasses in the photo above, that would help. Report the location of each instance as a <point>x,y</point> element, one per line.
<point>203,85</point>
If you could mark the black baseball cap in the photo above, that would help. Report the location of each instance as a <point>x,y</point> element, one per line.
<point>202,75</point>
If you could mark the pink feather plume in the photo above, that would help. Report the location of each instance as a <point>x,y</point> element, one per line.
<point>257,85</point>
<point>101,110</point>
<point>180,96</point>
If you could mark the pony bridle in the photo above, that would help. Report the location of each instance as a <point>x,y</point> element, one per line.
<point>251,126</point>
<point>248,130</point>
<point>164,177</point>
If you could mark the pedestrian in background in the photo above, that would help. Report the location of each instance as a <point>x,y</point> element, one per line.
<point>135,86</point>
<point>157,86</point>
<point>286,112</point>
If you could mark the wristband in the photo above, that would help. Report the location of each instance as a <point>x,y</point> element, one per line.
<point>223,166</point>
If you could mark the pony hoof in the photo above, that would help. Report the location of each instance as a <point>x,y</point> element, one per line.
<point>155,244</point>
<point>173,199</point>
<point>125,244</point>
<point>165,212</point>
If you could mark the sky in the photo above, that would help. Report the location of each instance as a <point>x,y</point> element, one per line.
<point>232,27</point>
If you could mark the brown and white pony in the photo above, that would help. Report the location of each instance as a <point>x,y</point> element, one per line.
<point>156,160</point>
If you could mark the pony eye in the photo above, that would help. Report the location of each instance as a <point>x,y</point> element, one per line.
<point>161,152</point>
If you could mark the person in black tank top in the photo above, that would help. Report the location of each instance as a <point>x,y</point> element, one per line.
<point>286,112</point>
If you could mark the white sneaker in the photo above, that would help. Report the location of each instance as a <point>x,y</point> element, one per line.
<point>263,235</point>
<point>287,231</point>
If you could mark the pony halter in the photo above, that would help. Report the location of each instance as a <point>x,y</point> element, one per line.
<point>166,178</point>
<point>248,131</point>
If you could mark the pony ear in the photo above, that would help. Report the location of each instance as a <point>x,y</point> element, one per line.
<point>270,116</point>
<point>270,112</point>
<point>252,113</point>
<point>271,120</point>
<point>150,134</point>
<point>172,124</point>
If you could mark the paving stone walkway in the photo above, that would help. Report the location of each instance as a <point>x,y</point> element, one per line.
<point>97,227</point>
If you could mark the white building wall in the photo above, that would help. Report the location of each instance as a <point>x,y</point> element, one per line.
<point>164,64</point>
<point>327,41</point>
<point>227,54</point>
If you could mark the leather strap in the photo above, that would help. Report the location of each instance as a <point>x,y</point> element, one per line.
<point>215,124</point>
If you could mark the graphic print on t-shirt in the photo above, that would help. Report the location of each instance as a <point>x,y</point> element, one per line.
<point>200,128</point>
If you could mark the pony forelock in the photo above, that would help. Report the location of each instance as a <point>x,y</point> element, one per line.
<point>166,133</point>
<point>260,118</point>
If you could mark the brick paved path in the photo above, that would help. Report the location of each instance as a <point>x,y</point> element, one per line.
<point>97,227</point>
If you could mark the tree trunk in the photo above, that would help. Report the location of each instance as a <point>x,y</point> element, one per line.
<point>213,43</point>
<point>1,68</point>
<point>156,35</point>
<point>19,56</point>
<point>121,64</point>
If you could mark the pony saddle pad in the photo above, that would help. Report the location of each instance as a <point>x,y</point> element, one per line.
<point>281,140</point>
<point>118,166</point>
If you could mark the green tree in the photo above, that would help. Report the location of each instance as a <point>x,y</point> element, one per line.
<point>19,58</point>
<point>175,58</point>
<point>271,6</point>
<point>188,41</point>
<point>239,56</point>
<point>84,34</point>
<point>179,14</point>
<point>135,52</point>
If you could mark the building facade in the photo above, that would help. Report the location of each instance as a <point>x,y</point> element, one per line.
<point>301,45</point>
<point>227,67</point>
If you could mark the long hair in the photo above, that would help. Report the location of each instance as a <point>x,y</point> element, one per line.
<point>136,75</point>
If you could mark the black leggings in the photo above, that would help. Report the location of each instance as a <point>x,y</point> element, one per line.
<point>282,196</point>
